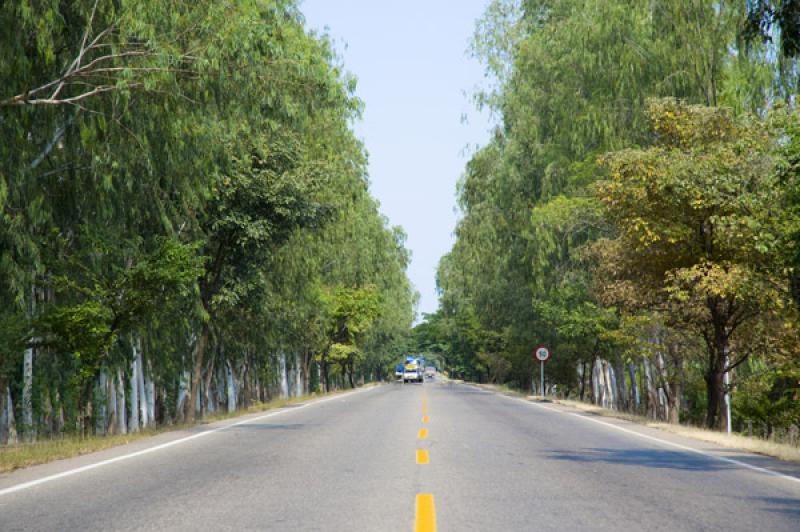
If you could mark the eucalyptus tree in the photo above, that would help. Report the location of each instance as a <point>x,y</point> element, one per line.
<point>159,158</point>
<point>569,81</point>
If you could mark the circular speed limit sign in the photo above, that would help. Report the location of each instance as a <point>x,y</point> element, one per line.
<point>542,353</point>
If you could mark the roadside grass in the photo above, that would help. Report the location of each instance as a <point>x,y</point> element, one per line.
<point>41,452</point>
<point>731,441</point>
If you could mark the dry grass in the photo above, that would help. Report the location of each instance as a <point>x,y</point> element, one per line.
<point>28,454</point>
<point>731,441</point>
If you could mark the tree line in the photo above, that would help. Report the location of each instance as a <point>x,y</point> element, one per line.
<point>636,209</point>
<point>185,219</point>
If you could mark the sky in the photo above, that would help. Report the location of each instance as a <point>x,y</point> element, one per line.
<point>415,77</point>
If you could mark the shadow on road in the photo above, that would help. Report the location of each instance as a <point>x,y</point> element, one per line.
<point>654,458</point>
<point>782,505</point>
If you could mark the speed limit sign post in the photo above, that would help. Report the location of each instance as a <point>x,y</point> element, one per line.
<point>542,355</point>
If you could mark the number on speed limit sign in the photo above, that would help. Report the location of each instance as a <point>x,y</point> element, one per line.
<point>542,353</point>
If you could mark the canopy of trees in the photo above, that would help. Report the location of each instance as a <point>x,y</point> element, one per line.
<point>635,210</point>
<point>185,221</point>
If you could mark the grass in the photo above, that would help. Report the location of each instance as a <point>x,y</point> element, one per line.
<point>29,454</point>
<point>731,441</point>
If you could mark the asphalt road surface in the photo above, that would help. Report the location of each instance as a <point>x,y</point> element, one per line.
<point>437,456</point>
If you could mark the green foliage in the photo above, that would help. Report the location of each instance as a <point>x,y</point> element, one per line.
<point>637,201</point>
<point>185,176</point>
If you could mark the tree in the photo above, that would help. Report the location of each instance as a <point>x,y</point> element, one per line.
<point>698,232</point>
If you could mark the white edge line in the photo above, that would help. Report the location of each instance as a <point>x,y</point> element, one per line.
<point>662,442</point>
<point>70,472</point>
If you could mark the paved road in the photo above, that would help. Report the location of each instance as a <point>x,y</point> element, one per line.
<point>357,462</point>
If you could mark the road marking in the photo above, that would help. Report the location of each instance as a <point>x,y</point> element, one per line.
<point>662,442</point>
<point>425,513</point>
<point>422,457</point>
<point>423,434</point>
<point>70,472</point>
<point>426,419</point>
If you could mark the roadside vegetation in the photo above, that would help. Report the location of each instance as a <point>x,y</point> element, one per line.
<point>636,211</point>
<point>186,226</point>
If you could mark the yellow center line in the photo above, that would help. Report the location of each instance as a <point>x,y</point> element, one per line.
<point>425,518</point>
<point>422,457</point>
<point>423,434</point>
<point>426,419</point>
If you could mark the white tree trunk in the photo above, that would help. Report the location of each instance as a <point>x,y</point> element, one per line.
<point>652,396</point>
<point>183,395</point>
<point>101,418</point>
<point>10,421</point>
<point>122,408</point>
<point>299,387</point>
<point>634,386</point>
<point>611,385</point>
<point>27,396</point>
<point>596,392</point>
<point>621,389</point>
<point>150,393</point>
<point>231,387</point>
<point>60,420</point>
<point>284,379</point>
<point>112,405</point>
<point>133,420</point>
<point>144,420</point>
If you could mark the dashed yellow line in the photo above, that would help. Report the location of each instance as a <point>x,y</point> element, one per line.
<point>425,518</point>
<point>426,419</point>
<point>422,457</point>
<point>422,434</point>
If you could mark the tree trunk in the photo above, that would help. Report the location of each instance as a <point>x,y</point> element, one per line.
<point>325,377</point>
<point>144,420</point>
<point>101,416</point>
<point>10,420</point>
<point>122,408</point>
<point>596,382</point>
<point>60,419</point>
<point>652,394</point>
<point>150,395</point>
<point>133,420</point>
<point>621,390</point>
<point>231,388</point>
<point>207,387</point>
<point>112,405</point>
<point>675,394</point>
<point>634,387</point>
<point>194,391</point>
<point>283,376</point>
<point>181,406</point>
<point>299,386</point>
<point>715,384</point>
<point>28,433</point>
<point>610,385</point>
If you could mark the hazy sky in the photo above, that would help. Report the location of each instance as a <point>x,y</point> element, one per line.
<point>413,72</point>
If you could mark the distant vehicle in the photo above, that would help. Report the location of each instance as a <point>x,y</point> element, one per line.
<point>399,370</point>
<point>412,372</point>
<point>430,372</point>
